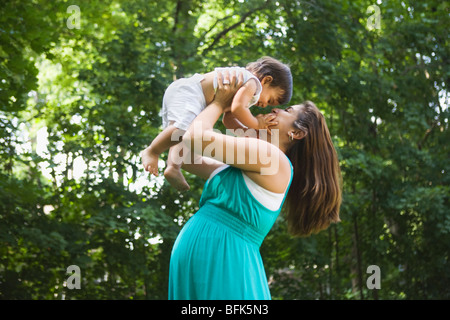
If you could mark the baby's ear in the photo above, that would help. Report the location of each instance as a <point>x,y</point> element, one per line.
<point>267,79</point>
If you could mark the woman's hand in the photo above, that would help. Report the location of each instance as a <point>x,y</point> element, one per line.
<point>227,86</point>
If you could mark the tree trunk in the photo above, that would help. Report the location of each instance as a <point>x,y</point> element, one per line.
<point>357,280</point>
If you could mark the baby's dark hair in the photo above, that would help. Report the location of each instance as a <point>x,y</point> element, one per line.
<point>280,72</point>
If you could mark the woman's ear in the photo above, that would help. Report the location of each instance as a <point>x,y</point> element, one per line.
<point>297,134</point>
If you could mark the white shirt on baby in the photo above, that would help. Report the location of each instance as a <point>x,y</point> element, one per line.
<point>247,76</point>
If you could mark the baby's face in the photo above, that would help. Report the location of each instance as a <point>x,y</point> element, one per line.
<point>270,96</point>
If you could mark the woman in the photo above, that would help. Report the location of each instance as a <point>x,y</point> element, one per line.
<point>216,254</point>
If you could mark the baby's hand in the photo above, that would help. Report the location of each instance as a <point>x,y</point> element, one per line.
<point>265,121</point>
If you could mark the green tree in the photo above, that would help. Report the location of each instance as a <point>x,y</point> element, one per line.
<point>96,93</point>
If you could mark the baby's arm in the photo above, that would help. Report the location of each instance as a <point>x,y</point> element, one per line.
<point>239,106</point>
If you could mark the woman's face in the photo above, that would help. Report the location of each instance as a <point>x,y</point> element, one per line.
<point>286,118</point>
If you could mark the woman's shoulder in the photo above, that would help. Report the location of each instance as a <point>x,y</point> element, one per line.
<point>276,178</point>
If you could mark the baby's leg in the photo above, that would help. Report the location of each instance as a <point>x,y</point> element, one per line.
<point>161,143</point>
<point>173,171</point>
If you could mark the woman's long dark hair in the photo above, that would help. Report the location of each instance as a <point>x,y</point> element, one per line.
<point>315,195</point>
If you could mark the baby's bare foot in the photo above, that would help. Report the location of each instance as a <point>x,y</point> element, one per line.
<point>176,178</point>
<point>150,162</point>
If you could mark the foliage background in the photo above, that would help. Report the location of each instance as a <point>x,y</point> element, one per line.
<point>79,105</point>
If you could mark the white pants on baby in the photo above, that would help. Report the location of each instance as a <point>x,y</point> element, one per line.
<point>183,101</point>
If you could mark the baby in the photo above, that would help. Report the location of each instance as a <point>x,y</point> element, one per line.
<point>266,82</point>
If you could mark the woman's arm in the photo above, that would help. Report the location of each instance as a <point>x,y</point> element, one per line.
<point>247,154</point>
<point>202,166</point>
<point>231,122</point>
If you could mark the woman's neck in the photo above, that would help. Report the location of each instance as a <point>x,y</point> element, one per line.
<point>276,140</point>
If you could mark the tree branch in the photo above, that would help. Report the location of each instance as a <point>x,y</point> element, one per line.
<point>177,13</point>
<point>223,33</point>
<point>427,133</point>
<point>214,25</point>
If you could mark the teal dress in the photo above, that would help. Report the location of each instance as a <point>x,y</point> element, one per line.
<point>216,255</point>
